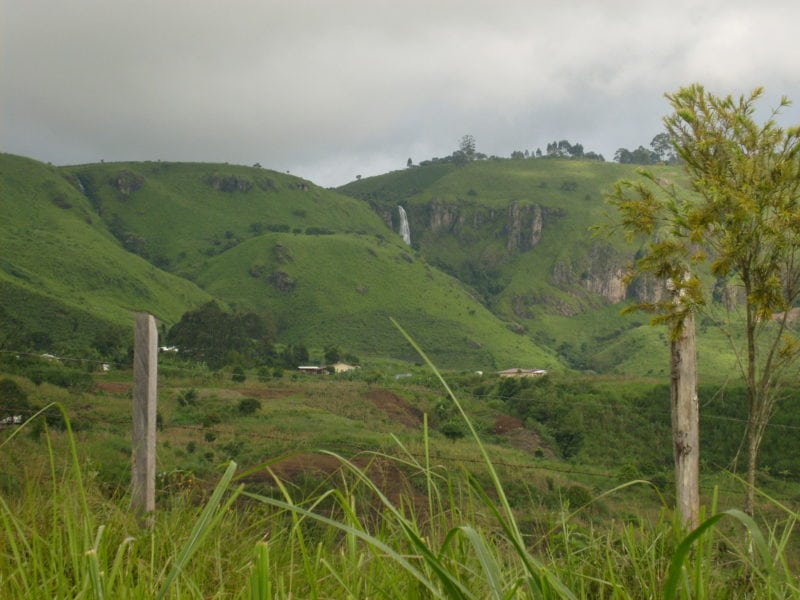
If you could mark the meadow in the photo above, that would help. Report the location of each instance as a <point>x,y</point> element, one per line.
<point>355,487</point>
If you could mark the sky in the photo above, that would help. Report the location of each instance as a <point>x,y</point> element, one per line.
<point>332,89</point>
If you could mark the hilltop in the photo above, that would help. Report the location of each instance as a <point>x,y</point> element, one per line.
<point>95,242</point>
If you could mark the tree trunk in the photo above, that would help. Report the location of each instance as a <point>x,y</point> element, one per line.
<point>686,423</point>
<point>753,409</point>
<point>752,464</point>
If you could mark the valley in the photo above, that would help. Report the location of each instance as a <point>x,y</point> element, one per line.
<point>493,265</point>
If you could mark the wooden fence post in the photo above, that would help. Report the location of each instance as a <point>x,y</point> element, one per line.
<point>145,365</point>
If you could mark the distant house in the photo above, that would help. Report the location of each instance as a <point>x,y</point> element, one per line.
<point>312,369</point>
<point>523,373</point>
<point>341,367</point>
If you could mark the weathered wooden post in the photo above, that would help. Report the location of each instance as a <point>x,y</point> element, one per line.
<point>145,365</point>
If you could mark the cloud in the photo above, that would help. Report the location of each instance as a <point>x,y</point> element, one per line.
<point>329,90</point>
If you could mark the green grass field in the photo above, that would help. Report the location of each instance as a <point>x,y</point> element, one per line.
<point>340,490</point>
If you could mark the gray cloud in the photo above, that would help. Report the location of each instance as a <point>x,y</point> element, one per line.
<point>331,89</point>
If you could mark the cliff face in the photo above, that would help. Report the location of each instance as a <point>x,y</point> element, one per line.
<point>599,270</point>
<point>521,224</point>
<point>594,272</point>
<point>524,227</point>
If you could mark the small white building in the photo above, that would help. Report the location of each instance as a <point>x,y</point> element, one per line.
<point>522,373</point>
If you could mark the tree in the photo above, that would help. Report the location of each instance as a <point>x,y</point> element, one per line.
<point>670,255</point>
<point>467,147</point>
<point>742,219</point>
<point>662,148</point>
<point>639,156</point>
<point>332,354</point>
<point>13,399</point>
<point>212,335</point>
<point>747,179</point>
<point>409,163</point>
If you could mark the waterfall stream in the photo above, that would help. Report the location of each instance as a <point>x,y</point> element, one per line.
<point>405,231</point>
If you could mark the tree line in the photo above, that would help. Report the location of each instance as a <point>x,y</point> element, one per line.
<point>661,151</point>
<point>218,338</point>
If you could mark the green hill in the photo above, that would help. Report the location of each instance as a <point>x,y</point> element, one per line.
<point>520,232</point>
<point>106,239</point>
<point>66,282</point>
<point>178,215</point>
<point>503,269</point>
<point>342,289</point>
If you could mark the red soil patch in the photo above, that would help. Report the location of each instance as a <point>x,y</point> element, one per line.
<point>520,438</point>
<point>504,424</point>
<point>114,387</point>
<point>395,407</point>
<point>291,467</point>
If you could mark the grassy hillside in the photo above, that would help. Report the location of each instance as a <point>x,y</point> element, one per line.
<point>342,289</point>
<point>522,234</point>
<point>323,266</point>
<point>64,276</point>
<point>504,268</point>
<point>178,215</point>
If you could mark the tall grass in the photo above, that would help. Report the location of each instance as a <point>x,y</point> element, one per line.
<point>432,533</point>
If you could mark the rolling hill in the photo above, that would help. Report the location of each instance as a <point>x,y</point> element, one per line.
<point>67,284</point>
<point>504,268</point>
<point>522,233</point>
<point>94,242</point>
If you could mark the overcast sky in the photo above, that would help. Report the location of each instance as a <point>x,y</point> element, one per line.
<point>329,89</point>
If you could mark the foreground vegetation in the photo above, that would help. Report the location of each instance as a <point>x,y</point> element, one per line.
<point>385,505</point>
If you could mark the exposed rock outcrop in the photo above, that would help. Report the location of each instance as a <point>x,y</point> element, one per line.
<point>282,281</point>
<point>524,227</point>
<point>127,183</point>
<point>443,216</point>
<point>229,183</point>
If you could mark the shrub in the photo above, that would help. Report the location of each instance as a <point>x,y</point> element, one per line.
<point>188,398</point>
<point>13,398</point>
<point>248,406</point>
<point>577,496</point>
<point>452,430</point>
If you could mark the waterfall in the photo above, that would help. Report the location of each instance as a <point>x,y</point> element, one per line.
<point>405,232</point>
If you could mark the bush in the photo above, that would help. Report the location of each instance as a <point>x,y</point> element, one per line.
<point>188,398</point>
<point>452,430</point>
<point>577,496</point>
<point>13,398</point>
<point>248,406</point>
<point>238,374</point>
<point>211,419</point>
<point>66,378</point>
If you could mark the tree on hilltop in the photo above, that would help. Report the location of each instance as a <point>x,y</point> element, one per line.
<point>467,146</point>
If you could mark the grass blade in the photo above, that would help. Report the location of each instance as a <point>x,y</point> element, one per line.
<point>208,518</point>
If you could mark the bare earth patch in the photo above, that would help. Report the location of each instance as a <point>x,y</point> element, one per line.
<point>396,408</point>
<point>113,387</point>
<point>520,438</point>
